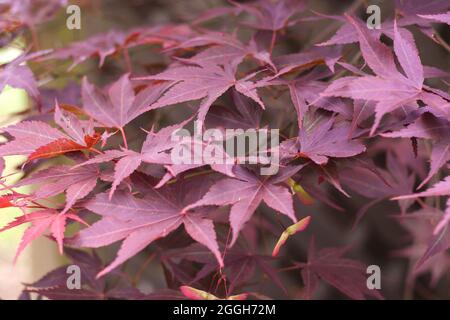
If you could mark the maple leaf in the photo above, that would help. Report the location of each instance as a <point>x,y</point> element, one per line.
<point>128,162</point>
<point>428,249</point>
<point>121,105</point>
<point>240,265</point>
<point>140,194</point>
<point>106,44</point>
<point>430,127</point>
<point>272,15</point>
<point>13,198</point>
<point>411,12</point>
<point>443,17</point>
<point>80,131</point>
<point>168,35</point>
<point>5,201</point>
<point>207,82</point>
<point>38,140</point>
<point>246,192</point>
<point>193,150</point>
<point>305,90</point>
<point>441,188</point>
<point>17,16</point>
<point>319,139</point>
<point>414,7</point>
<point>101,45</point>
<point>245,115</point>
<point>389,87</point>
<point>82,137</point>
<point>307,59</point>
<point>346,275</point>
<point>440,240</point>
<point>378,184</point>
<point>224,49</point>
<point>41,221</point>
<point>60,147</point>
<point>29,136</point>
<point>53,285</point>
<point>141,221</point>
<point>153,151</point>
<point>76,182</point>
<point>216,12</point>
<point>18,75</point>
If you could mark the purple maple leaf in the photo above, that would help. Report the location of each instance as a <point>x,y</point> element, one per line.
<point>139,222</point>
<point>246,192</point>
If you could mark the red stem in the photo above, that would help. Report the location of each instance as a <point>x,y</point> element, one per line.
<point>124,138</point>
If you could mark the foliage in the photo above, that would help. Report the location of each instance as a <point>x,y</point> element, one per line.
<point>359,115</point>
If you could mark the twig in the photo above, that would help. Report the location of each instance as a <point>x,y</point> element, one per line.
<point>124,137</point>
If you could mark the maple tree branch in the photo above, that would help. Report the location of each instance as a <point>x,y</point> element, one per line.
<point>442,42</point>
<point>96,150</point>
<point>124,137</point>
<point>288,268</point>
